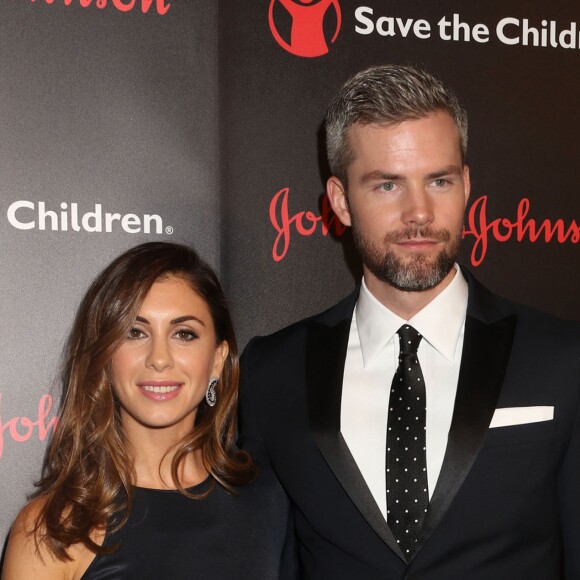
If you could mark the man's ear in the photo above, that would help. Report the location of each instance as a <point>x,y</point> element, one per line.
<point>336,193</point>
<point>466,183</point>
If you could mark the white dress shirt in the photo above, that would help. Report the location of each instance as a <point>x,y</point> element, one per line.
<point>371,362</point>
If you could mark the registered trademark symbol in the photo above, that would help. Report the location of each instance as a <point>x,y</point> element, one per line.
<point>169,230</point>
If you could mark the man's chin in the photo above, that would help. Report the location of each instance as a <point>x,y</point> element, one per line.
<point>414,274</point>
<point>417,284</point>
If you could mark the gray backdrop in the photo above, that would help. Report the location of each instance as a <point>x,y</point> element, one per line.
<point>97,106</point>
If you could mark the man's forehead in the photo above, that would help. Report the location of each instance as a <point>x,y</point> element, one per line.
<point>358,134</point>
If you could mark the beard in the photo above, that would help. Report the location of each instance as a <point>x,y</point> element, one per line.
<point>414,273</point>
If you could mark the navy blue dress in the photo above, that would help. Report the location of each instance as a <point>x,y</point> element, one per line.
<point>222,537</point>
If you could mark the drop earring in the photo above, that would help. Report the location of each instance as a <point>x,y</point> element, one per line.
<point>211,394</point>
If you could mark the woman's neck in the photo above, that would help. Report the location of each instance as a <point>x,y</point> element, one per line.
<point>153,452</point>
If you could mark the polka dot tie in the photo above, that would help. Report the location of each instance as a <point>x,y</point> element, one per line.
<point>407,493</point>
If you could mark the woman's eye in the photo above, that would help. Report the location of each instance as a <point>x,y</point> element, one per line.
<point>186,335</point>
<point>135,334</point>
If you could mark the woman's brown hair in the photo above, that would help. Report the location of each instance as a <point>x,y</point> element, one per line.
<point>88,473</point>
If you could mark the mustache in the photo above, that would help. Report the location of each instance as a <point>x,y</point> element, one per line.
<point>418,233</point>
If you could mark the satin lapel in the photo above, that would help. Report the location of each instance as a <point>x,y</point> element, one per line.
<point>486,351</point>
<point>326,353</point>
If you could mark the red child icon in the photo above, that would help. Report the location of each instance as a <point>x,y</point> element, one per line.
<point>307,32</point>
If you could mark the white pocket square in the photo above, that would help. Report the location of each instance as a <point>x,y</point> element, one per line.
<point>521,416</point>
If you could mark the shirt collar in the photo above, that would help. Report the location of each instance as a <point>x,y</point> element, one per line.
<point>440,322</point>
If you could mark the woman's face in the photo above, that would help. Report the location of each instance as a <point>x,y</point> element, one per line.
<point>161,371</point>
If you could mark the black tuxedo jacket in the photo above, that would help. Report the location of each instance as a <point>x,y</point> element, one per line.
<point>507,502</point>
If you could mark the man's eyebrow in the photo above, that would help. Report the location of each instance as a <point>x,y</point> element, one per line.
<point>449,170</point>
<point>380,176</point>
<point>177,320</point>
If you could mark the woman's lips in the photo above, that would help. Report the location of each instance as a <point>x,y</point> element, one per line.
<point>160,390</point>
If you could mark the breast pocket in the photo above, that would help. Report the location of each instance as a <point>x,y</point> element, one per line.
<point>521,434</point>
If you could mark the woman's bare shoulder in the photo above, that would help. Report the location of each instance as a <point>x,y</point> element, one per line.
<point>28,556</point>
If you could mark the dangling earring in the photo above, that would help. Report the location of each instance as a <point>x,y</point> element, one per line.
<point>210,394</point>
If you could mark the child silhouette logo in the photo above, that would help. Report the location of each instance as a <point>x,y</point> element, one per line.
<point>307,34</point>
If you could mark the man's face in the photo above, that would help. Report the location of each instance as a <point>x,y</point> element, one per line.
<point>407,192</point>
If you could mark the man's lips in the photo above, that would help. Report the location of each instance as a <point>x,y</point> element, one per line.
<point>417,243</point>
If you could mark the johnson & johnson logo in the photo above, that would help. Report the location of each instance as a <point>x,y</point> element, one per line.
<point>21,428</point>
<point>520,228</point>
<point>306,36</point>
<point>161,6</point>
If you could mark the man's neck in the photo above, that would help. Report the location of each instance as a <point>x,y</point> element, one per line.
<point>404,303</point>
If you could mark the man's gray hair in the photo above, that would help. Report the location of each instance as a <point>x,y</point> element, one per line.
<point>386,94</point>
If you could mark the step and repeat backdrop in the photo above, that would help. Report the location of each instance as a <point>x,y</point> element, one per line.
<point>108,138</point>
<point>201,122</point>
<point>515,67</point>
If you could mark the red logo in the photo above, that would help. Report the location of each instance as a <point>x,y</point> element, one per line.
<point>520,228</point>
<point>122,5</point>
<point>307,36</point>
<point>21,429</point>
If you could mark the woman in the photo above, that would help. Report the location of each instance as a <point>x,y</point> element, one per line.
<point>143,478</point>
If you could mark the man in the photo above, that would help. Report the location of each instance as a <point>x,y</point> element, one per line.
<point>423,427</point>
